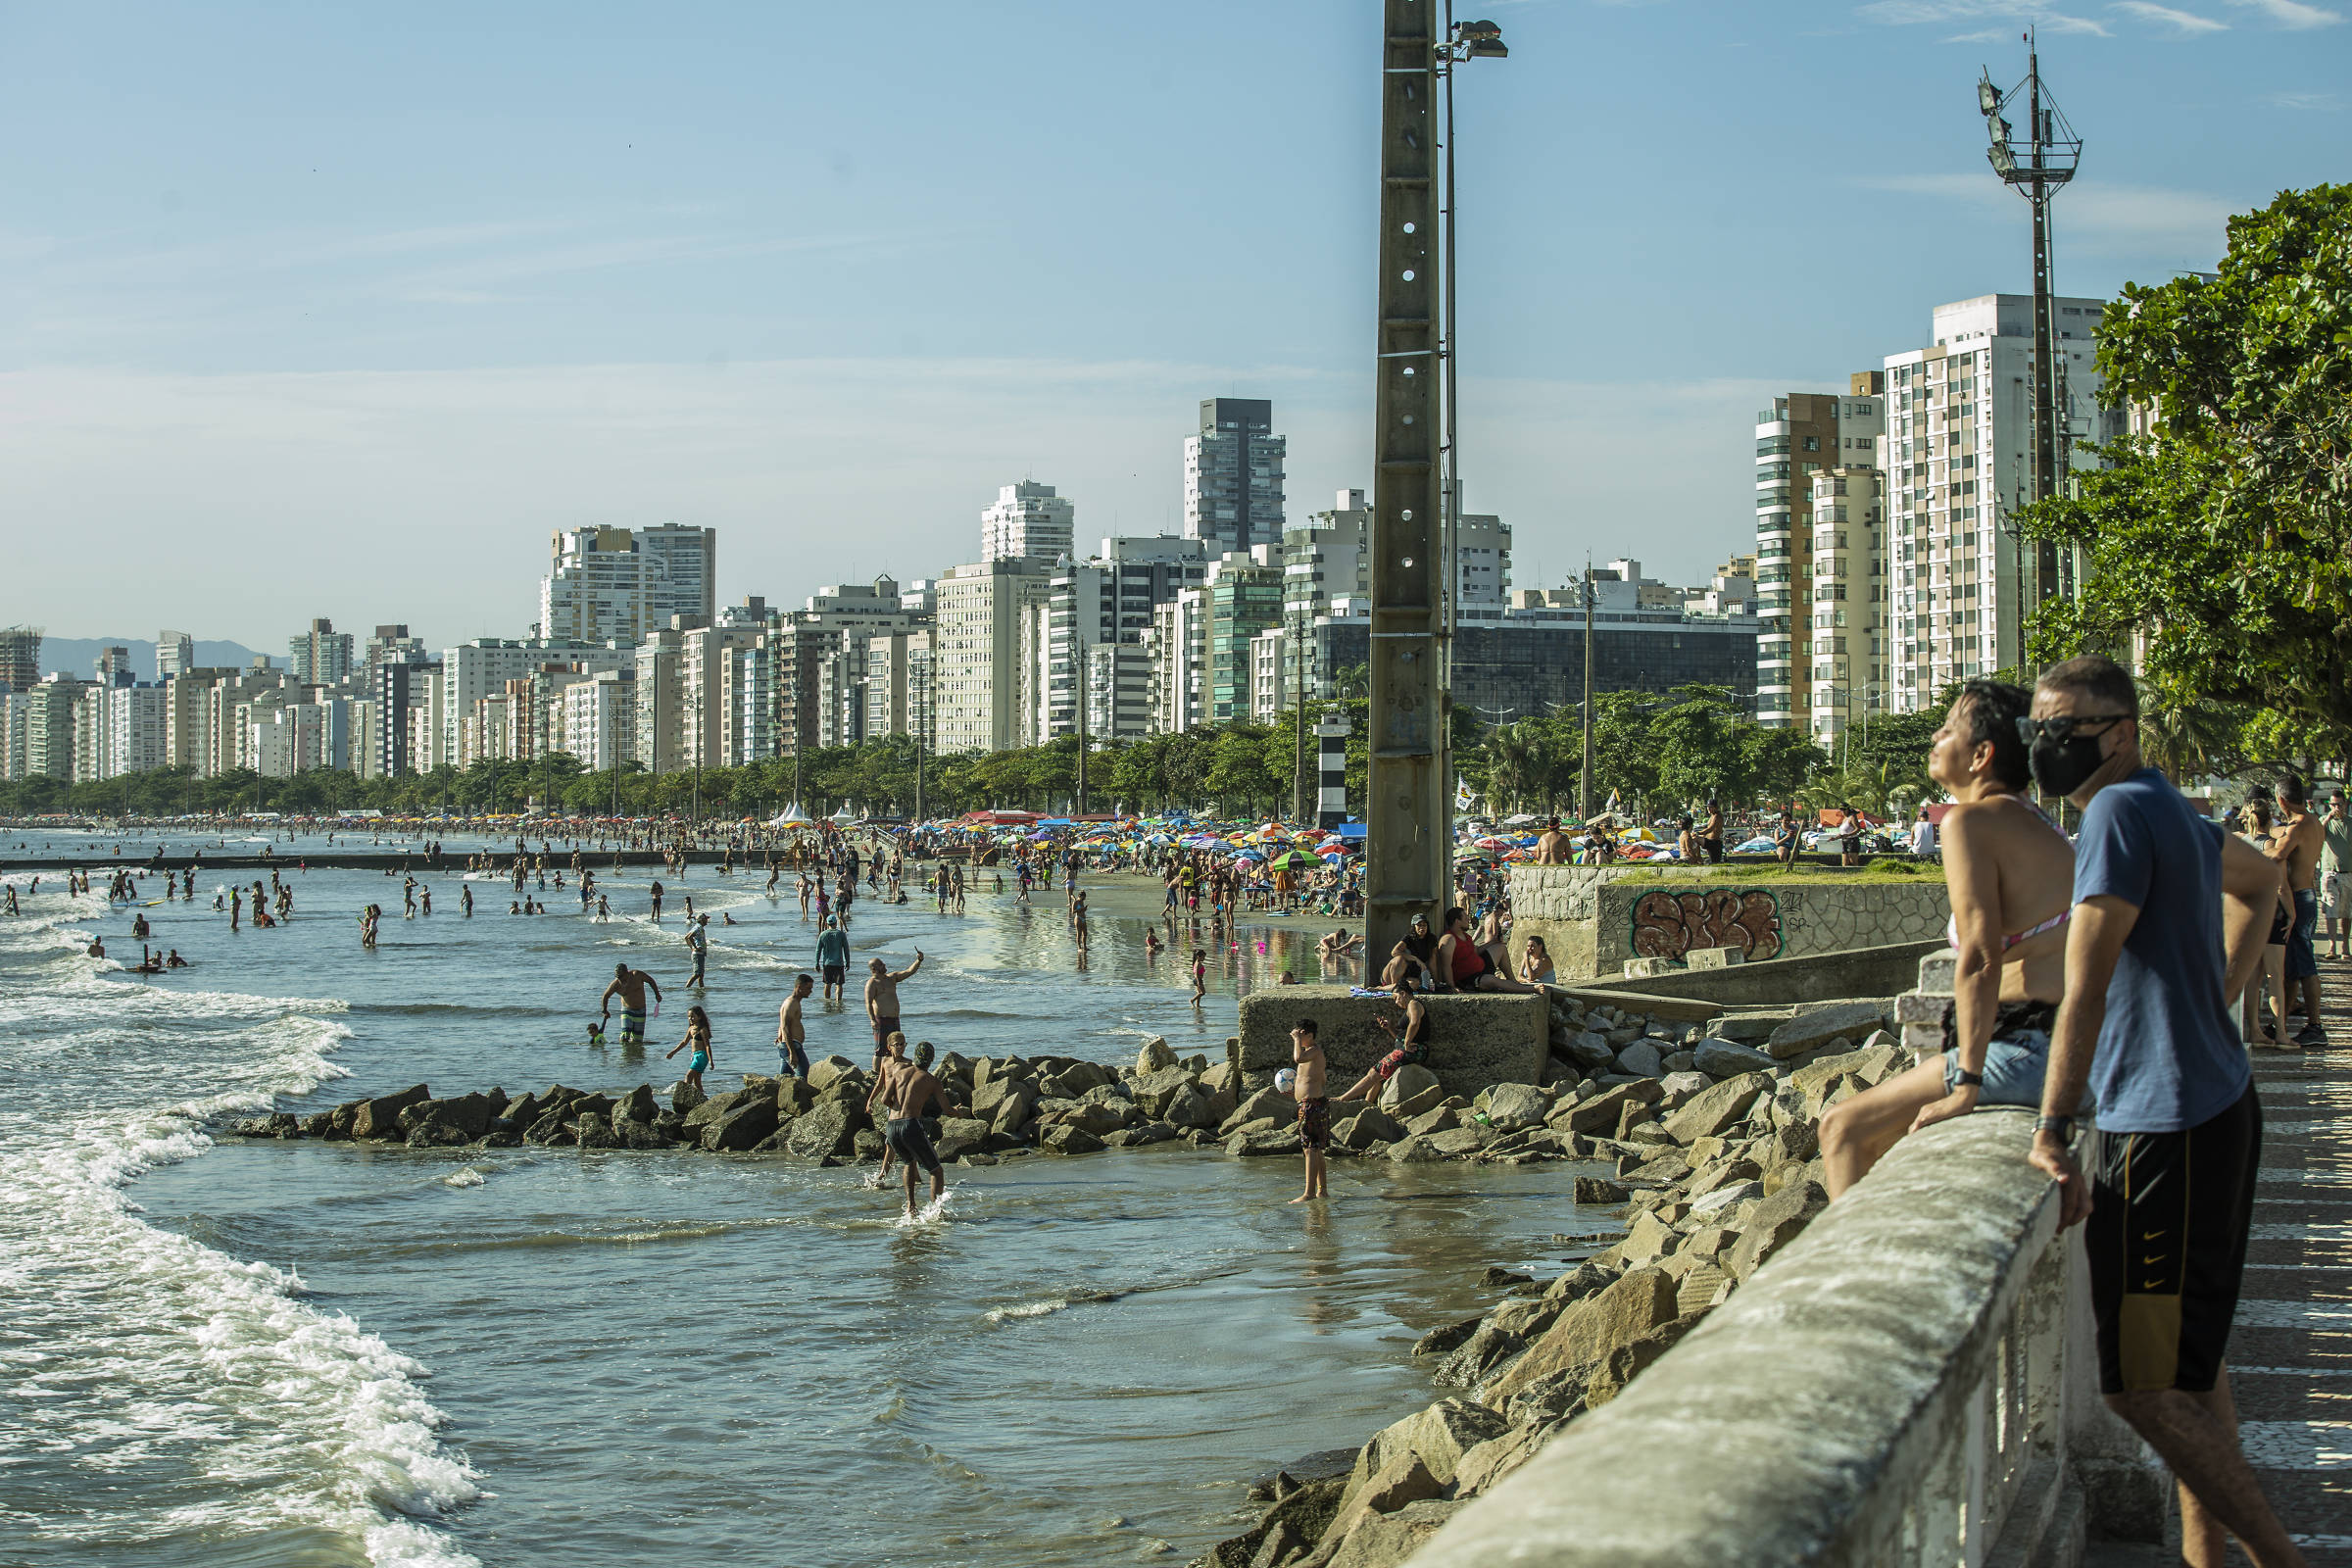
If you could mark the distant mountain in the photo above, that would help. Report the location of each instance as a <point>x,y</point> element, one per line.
<point>79,656</point>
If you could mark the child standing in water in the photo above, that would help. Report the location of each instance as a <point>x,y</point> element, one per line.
<point>1199,973</point>
<point>698,1035</point>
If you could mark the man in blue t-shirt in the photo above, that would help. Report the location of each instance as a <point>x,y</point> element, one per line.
<point>2167,922</point>
<point>833,960</point>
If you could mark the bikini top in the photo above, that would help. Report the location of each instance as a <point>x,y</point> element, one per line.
<point>1951,925</point>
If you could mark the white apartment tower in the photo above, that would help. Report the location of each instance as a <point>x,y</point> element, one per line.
<point>1958,457</point>
<point>1801,435</point>
<point>1233,474</point>
<point>616,584</point>
<point>1028,520</point>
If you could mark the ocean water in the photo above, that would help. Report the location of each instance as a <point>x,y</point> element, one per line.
<point>239,1353</point>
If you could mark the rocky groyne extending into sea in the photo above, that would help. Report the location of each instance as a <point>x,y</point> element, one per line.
<point>1709,1133</point>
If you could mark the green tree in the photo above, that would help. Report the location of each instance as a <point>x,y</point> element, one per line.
<point>2220,543</point>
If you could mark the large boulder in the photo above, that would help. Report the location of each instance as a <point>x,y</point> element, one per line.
<point>1637,1303</point>
<point>794,1096</point>
<point>827,1129</point>
<point>638,1104</point>
<point>1069,1139</point>
<point>1095,1121</point>
<point>379,1118</point>
<point>1588,1050</point>
<point>718,1105</point>
<point>959,1136</point>
<point>596,1132</point>
<point>1409,1085</point>
<point>1720,1059</point>
<point>751,1119</point>
<point>1278,1139</point>
<point>1005,1103</point>
<point>1401,1481</point>
<point>1643,1059</point>
<point>828,1071</point>
<point>1818,1023</point>
<point>1773,1224</point>
<point>1190,1106</point>
<point>640,1133</point>
<point>1511,1106</point>
<point>1602,1112</point>
<point>1156,1091</point>
<point>1717,1109</point>
<point>1386,1539</point>
<point>1369,1126</point>
<point>1079,1077</point>
<point>1440,1436</point>
<point>684,1097</point>
<point>1681,1087</point>
<point>1154,1056</point>
<point>1259,1106</point>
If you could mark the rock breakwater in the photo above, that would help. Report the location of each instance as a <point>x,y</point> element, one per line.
<point>1718,1168</point>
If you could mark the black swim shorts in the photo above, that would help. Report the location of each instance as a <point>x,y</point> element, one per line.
<point>905,1135</point>
<point>2170,1213</point>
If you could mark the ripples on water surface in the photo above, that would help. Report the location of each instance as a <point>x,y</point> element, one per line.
<point>297,1354</point>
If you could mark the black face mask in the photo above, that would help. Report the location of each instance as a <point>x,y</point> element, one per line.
<point>2061,767</point>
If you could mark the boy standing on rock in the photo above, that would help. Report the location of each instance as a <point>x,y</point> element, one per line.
<point>1314,1108</point>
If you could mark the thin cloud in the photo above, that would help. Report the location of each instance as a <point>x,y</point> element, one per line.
<point>2325,103</point>
<point>2184,24</point>
<point>2292,15</point>
<point>2098,215</point>
<point>1916,13</point>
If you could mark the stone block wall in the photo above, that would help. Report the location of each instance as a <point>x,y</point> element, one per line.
<point>1475,1040</point>
<point>1593,919</point>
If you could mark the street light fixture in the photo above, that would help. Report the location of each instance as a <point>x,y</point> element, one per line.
<point>1464,40</point>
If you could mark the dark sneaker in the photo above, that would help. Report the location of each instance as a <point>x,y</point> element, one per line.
<point>2311,1034</point>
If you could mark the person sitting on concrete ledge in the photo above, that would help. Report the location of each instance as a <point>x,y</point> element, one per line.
<point>1465,964</point>
<point>2011,874</point>
<point>1535,964</point>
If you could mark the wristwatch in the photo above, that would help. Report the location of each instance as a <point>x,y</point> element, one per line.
<point>1961,1075</point>
<point>2060,1127</point>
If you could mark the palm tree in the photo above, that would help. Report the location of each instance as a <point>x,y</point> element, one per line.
<point>2187,735</point>
<point>1352,680</point>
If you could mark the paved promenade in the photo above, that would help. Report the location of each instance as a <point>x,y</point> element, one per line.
<point>2290,1355</point>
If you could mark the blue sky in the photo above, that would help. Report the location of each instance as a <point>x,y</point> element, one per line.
<point>340,310</point>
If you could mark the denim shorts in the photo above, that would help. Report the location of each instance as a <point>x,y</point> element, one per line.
<point>2015,1058</point>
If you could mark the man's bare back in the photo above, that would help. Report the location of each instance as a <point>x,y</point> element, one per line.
<point>2296,846</point>
<point>908,1090</point>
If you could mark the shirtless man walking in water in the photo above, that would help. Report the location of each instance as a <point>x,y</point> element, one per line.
<point>630,986</point>
<point>882,996</point>
<point>904,1094</point>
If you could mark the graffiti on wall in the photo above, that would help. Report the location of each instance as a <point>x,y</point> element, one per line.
<point>1668,925</point>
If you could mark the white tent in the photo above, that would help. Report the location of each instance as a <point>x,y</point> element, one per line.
<point>791,816</point>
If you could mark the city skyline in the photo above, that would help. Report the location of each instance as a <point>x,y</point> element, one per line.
<point>261,309</point>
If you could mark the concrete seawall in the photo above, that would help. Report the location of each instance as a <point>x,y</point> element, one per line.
<point>1474,1039</point>
<point>1594,919</point>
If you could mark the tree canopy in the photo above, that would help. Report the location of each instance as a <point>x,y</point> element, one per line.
<point>2219,542</point>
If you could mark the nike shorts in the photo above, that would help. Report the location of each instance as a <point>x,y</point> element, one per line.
<point>2170,1213</point>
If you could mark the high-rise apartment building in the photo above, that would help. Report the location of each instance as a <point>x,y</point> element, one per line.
<point>480,668</point>
<point>984,609</point>
<point>1233,476</point>
<point>20,658</point>
<point>322,656</point>
<point>402,690</point>
<point>1800,436</point>
<point>1846,671</point>
<point>599,718</point>
<point>392,643</point>
<point>1244,599</point>
<point>899,673</point>
<point>1104,600</point>
<point>616,584</point>
<point>174,653</point>
<point>1028,520</point>
<point>1959,458</point>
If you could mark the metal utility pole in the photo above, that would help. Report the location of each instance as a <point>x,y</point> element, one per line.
<point>1583,777</point>
<point>1081,648</point>
<point>1305,801</point>
<point>2052,153</point>
<point>1464,40</point>
<point>1408,811</point>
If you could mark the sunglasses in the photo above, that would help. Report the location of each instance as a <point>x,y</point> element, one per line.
<point>2066,727</point>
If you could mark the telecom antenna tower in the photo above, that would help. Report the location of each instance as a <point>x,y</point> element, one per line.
<point>2036,164</point>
